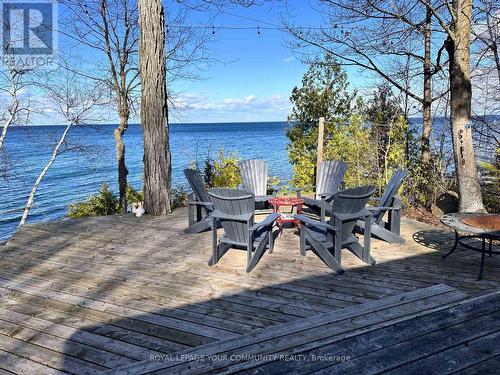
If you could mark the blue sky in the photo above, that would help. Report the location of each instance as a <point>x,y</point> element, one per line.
<point>256,73</point>
<point>249,77</point>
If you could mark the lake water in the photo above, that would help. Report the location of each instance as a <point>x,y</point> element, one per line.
<point>91,161</point>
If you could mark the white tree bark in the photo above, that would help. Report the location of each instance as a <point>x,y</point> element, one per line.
<point>55,153</point>
<point>8,122</point>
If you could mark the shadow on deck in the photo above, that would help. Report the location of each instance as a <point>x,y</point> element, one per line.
<point>89,295</point>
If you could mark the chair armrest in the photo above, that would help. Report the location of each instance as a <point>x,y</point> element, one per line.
<point>268,221</point>
<point>325,195</point>
<point>382,208</point>
<point>198,203</point>
<point>356,215</point>
<point>222,216</point>
<point>321,224</point>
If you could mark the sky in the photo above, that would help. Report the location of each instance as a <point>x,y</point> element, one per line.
<point>256,73</point>
<point>249,75</point>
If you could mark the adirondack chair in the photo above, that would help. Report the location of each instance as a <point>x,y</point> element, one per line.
<point>234,209</point>
<point>254,173</point>
<point>199,205</point>
<point>330,177</point>
<point>389,203</point>
<point>328,238</point>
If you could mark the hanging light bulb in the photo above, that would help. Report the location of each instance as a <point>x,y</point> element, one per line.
<point>213,30</point>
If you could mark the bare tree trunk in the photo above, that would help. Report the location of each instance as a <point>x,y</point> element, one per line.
<point>42,174</point>
<point>492,31</point>
<point>427,99</point>
<point>157,160</point>
<point>460,106</point>
<point>9,121</point>
<point>120,157</point>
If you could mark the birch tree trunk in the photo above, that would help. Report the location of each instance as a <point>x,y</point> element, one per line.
<point>8,122</point>
<point>460,107</point>
<point>42,174</point>
<point>157,159</point>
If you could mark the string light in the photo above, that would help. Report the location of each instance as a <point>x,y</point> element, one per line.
<point>256,28</point>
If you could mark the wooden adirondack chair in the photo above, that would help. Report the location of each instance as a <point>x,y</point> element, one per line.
<point>234,209</point>
<point>330,177</point>
<point>199,205</point>
<point>328,238</point>
<point>389,203</point>
<point>254,173</point>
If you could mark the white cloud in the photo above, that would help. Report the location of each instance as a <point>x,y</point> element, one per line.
<point>288,59</point>
<point>243,108</point>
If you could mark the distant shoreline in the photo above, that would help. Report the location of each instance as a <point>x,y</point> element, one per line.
<point>416,119</point>
<point>172,123</point>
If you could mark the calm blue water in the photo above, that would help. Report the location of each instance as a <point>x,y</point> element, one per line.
<point>78,173</point>
<point>90,161</point>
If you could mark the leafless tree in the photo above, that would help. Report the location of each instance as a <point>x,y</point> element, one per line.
<point>486,32</point>
<point>454,19</point>
<point>111,28</point>
<point>381,36</point>
<point>485,60</point>
<point>15,106</point>
<point>75,100</point>
<point>392,40</point>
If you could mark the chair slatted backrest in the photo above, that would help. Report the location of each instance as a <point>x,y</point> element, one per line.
<point>390,191</point>
<point>254,176</point>
<point>330,176</point>
<point>197,186</point>
<point>350,201</point>
<point>233,202</point>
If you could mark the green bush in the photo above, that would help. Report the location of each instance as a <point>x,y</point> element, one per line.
<point>178,197</point>
<point>104,203</point>
<point>226,171</point>
<point>351,143</point>
<point>491,183</point>
<point>223,171</point>
<point>132,195</point>
<point>371,138</point>
<point>323,94</point>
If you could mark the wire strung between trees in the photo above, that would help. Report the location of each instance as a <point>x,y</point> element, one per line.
<point>255,28</point>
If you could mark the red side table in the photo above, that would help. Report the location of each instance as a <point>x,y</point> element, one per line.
<point>287,217</point>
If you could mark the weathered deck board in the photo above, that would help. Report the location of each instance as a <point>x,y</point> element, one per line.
<point>313,331</point>
<point>111,291</point>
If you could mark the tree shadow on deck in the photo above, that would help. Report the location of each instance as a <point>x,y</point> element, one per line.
<point>84,309</point>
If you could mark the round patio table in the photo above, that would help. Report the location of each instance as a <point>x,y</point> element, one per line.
<point>287,217</point>
<point>482,226</point>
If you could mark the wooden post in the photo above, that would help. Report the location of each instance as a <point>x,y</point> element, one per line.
<point>319,157</point>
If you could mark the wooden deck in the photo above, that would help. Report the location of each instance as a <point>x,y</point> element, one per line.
<point>117,292</point>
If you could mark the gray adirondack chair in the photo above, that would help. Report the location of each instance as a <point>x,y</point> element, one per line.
<point>254,173</point>
<point>328,238</point>
<point>234,209</point>
<point>330,177</point>
<point>389,203</point>
<point>199,205</point>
